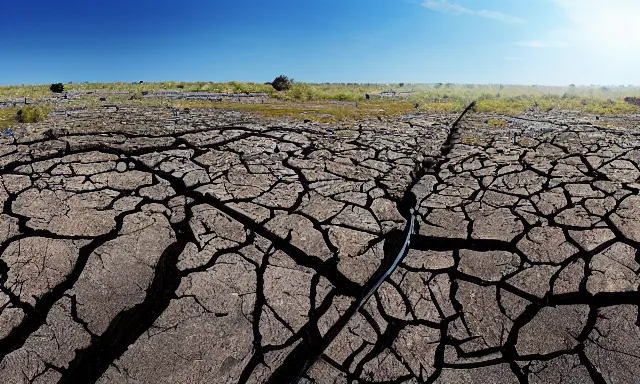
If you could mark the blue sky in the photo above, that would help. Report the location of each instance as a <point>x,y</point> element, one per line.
<point>551,42</point>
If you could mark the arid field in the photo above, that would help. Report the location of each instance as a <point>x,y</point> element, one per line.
<point>223,236</point>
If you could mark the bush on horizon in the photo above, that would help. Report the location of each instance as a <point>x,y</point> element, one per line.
<point>282,83</point>
<point>57,88</point>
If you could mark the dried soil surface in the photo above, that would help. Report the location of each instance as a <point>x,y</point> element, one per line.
<point>141,247</point>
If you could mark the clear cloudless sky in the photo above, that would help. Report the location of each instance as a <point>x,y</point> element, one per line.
<point>552,42</point>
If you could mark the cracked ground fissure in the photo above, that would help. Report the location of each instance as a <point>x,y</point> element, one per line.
<point>218,247</point>
<point>396,245</point>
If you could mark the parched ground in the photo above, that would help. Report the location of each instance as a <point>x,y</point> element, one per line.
<point>215,247</point>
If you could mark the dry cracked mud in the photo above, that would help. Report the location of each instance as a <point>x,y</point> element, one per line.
<point>216,247</point>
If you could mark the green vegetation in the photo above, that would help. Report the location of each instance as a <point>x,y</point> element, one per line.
<point>27,114</point>
<point>501,99</point>
<point>315,111</point>
<point>437,98</point>
<point>282,83</point>
<point>470,140</point>
<point>7,117</point>
<point>57,88</point>
<point>497,123</point>
<point>32,114</point>
<point>38,91</point>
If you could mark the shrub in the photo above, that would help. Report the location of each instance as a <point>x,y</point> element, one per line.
<point>57,88</point>
<point>300,92</point>
<point>282,83</point>
<point>31,114</point>
<point>346,97</point>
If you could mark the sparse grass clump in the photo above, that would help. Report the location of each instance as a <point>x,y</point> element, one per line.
<point>28,114</point>
<point>497,123</point>
<point>32,114</point>
<point>475,141</point>
<point>616,108</point>
<point>503,107</point>
<point>440,107</point>
<point>7,117</point>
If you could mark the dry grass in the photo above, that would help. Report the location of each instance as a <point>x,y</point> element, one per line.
<point>475,141</point>
<point>313,101</point>
<point>34,113</point>
<point>30,114</point>
<point>497,123</point>
<point>443,107</point>
<point>7,117</point>
<point>315,111</point>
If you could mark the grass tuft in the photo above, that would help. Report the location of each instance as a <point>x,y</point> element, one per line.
<point>33,114</point>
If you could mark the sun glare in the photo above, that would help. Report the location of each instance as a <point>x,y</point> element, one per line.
<point>604,26</point>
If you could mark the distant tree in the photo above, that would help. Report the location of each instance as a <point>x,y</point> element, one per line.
<point>401,85</point>
<point>57,88</point>
<point>572,86</point>
<point>438,85</point>
<point>282,83</point>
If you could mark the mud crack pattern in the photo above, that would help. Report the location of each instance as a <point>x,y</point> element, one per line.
<point>237,252</point>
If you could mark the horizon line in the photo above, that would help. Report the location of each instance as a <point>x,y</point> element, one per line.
<point>323,83</point>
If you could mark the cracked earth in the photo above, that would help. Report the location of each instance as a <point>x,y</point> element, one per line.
<point>216,247</point>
